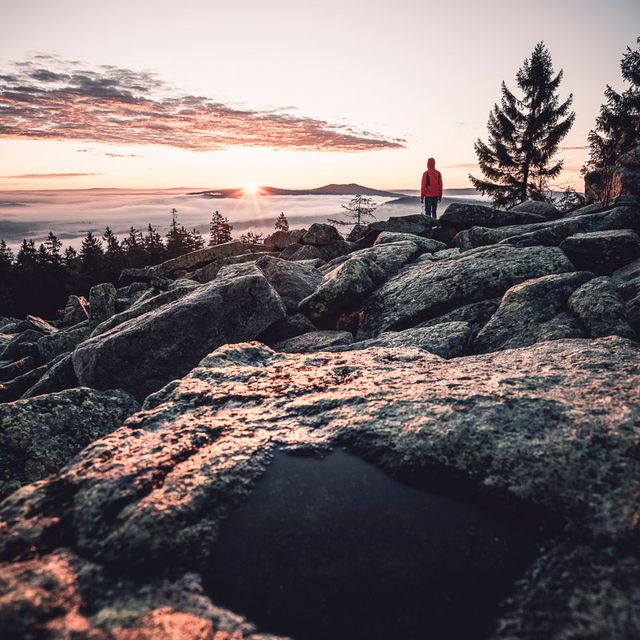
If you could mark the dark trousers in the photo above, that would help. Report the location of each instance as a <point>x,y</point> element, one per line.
<point>430,206</point>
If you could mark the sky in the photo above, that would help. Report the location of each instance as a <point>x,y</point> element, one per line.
<point>209,94</point>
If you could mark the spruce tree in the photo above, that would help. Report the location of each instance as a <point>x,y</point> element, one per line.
<point>219,229</point>
<point>195,240</point>
<point>133,247</point>
<point>251,238</point>
<point>6,255</point>
<point>53,247</point>
<point>7,302</point>
<point>153,246</point>
<point>91,249</point>
<point>358,211</point>
<point>617,127</point>
<point>282,224</point>
<point>70,257</point>
<point>27,255</point>
<point>113,256</point>
<point>524,134</point>
<point>91,253</point>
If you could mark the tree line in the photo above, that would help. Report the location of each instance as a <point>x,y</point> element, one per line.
<point>518,161</point>
<point>37,279</point>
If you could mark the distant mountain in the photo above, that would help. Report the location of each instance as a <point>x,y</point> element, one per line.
<point>351,189</point>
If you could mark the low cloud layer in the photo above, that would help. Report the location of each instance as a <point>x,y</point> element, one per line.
<point>51,98</point>
<point>46,176</point>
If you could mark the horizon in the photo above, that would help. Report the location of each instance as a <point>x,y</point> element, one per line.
<point>168,106</point>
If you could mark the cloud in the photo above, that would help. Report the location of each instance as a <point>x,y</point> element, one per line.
<point>40,176</point>
<point>56,99</point>
<point>122,155</point>
<point>574,148</point>
<point>464,165</point>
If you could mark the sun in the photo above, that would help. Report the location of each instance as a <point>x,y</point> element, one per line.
<point>250,189</point>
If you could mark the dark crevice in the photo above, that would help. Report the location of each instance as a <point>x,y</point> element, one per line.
<point>336,548</point>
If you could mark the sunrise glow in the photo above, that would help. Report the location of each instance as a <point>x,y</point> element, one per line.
<point>250,189</point>
<point>82,113</point>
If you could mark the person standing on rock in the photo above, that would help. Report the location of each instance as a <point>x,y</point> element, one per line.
<point>431,189</point>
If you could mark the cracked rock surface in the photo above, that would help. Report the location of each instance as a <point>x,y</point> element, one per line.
<point>113,543</point>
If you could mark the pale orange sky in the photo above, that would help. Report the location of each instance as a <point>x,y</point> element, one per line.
<point>282,93</point>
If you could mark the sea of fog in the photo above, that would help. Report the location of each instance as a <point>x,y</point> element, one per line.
<point>70,214</point>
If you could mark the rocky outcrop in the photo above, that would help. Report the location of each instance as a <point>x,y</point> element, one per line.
<point>534,311</point>
<point>40,325</point>
<point>121,542</point>
<point>321,235</point>
<point>601,309</point>
<point>40,435</point>
<point>476,315</point>
<point>293,281</point>
<point>20,345</point>
<point>419,225</point>
<point>102,303</point>
<point>345,286</point>
<point>615,182</point>
<point>550,233</point>
<point>59,375</point>
<point>544,209</point>
<point>279,240</point>
<point>76,310</point>
<point>550,428</point>
<point>427,245</point>
<point>314,341</point>
<point>464,216</point>
<point>149,302</point>
<point>445,339</point>
<point>12,389</point>
<point>210,271</point>
<point>627,279</point>
<point>319,252</point>
<point>166,343</point>
<point>288,327</point>
<point>52,345</point>
<point>602,251</point>
<point>424,291</point>
<point>18,367</point>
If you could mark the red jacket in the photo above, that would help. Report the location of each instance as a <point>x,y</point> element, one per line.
<point>431,181</point>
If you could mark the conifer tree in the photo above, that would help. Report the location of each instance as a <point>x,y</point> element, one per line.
<point>524,134</point>
<point>91,249</point>
<point>153,245</point>
<point>113,256</point>
<point>133,247</point>
<point>7,303</point>
<point>113,248</point>
<point>358,210</point>
<point>219,229</point>
<point>42,257</point>
<point>617,127</point>
<point>194,240</point>
<point>179,240</point>
<point>251,238</point>
<point>282,224</point>
<point>53,248</point>
<point>70,257</point>
<point>6,255</point>
<point>27,254</point>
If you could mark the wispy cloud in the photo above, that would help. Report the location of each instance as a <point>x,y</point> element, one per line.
<point>109,154</point>
<point>51,98</point>
<point>574,148</point>
<point>40,176</point>
<point>122,155</point>
<point>464,165</point>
